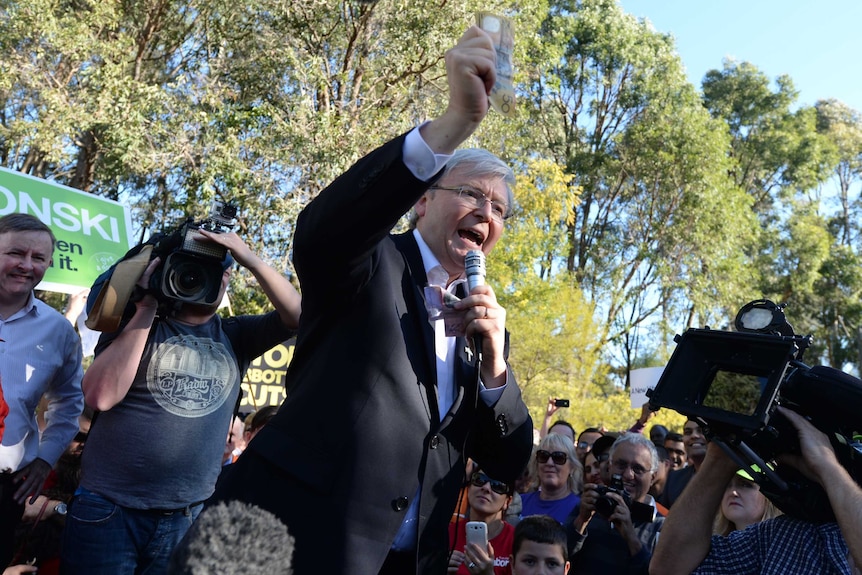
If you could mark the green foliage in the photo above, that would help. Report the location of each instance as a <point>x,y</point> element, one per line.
<point>642,207</point>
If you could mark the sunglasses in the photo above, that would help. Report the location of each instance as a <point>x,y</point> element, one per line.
<point>480,479</point>
<point>559,457</point>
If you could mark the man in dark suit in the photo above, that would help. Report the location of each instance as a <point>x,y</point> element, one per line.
<point>375,493</point>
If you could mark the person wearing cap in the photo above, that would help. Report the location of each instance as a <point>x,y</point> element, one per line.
<point>165,385</point>
<point>743,504</point>
<point>776,546</point>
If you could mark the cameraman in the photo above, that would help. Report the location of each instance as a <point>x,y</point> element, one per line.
<point>165,387</point>
<point>623,540</point>
<point>773,547</point>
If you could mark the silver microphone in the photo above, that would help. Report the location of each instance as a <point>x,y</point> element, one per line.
<point>474,269</point>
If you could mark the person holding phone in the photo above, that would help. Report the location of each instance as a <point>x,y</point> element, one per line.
<point>488,499</point>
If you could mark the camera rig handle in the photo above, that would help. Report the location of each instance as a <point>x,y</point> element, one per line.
<point>752,460</point>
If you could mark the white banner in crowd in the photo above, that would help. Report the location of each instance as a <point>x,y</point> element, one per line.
<point>642,380</point>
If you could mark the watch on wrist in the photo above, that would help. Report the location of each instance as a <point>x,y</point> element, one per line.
<point>61,509</point>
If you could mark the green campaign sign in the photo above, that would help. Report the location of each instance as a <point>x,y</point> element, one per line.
<point>92,232</point>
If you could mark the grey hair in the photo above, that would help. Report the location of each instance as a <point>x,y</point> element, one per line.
<point>477,163</point>
<point>637,439</point>
<point>556,442</point>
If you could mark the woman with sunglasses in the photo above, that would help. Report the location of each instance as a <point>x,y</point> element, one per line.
<point>488,500</point>
<point>559,476</point>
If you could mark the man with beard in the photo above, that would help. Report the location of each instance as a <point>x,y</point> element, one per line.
<point>165,385</point>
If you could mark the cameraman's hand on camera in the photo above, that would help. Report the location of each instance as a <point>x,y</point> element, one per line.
<point>280,292</point>
<point>109,378</point>
<point>817,460</point>
<point>587,507</point>
<point>237,248</point>
<point>148,300</point>
<point>818,463</point>
<point>621,520</point>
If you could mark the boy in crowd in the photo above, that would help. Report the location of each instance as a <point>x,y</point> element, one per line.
<point>539,547</point>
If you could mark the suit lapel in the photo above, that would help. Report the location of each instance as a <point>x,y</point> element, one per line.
<point>414,283</point>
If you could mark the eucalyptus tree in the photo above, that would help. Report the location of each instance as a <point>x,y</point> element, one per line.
<point>658,234</point>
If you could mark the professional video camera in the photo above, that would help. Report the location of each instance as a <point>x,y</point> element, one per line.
<point>192,267</point>
<point>640,512</point>
<point>732,382</point>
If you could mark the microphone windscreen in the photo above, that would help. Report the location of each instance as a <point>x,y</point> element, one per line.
<point>234,538</point>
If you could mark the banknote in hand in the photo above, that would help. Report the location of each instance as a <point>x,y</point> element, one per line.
<point>502,33</point>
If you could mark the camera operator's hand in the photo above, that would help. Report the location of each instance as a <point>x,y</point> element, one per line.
<point>237,248</point>
<point>109,378</point>
<point>817,460</point>
<point>280,292</point>
<point>587,507</point>
<point>621,519</point>
<point>818,463</point>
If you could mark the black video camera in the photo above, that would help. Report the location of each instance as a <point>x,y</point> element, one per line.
<point>640,512</point>
<point>732,382</point>
<point>191,268</point>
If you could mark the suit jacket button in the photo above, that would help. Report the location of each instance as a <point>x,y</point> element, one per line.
<point>400,504</point>
<point>502,424</point>
<point>435,441</point>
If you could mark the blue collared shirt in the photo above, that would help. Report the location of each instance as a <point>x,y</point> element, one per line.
<point>40,354</point>
<point>777,547</point>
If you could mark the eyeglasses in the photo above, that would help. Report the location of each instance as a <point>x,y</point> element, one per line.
<point>621,465</point>
<point>474,199</point>
<point>480,479</point>
<point>559,457</point>
<point>585,446</point>
<point>603,457</point>
<point>81,437</point>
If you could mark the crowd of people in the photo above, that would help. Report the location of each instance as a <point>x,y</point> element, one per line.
<point>428,435</point>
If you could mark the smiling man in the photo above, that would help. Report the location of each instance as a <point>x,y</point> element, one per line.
<point>40,353</point>
<point>622,540</point>
<point>695,448</point>
<point>375,493</point>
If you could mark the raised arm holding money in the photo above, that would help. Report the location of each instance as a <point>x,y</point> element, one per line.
<point>374,492</point>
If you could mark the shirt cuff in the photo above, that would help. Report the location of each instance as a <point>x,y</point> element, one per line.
<point>492,396</point>
<point>419,158</point>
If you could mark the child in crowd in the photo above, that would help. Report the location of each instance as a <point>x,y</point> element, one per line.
<point>539,547</point>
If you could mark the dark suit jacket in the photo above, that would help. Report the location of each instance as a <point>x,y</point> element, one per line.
<point>360,431</point>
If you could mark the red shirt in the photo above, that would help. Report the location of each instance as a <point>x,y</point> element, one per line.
<point>502,545</point>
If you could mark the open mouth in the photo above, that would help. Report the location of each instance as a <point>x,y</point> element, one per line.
<point>472,236</point>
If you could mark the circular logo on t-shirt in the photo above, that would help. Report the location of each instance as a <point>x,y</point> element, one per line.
<point>191,376</point>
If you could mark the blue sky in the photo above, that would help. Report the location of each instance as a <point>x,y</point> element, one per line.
<point>818,44</point>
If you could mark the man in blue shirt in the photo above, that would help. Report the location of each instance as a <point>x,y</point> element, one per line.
<point>776,546</point>
<point>40,354</point>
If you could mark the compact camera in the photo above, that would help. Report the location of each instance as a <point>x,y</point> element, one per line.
<point>732,382</point>
<point>640,512</point>
<point>192,267</point>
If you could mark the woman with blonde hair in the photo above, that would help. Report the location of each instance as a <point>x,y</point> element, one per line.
<point>742,505</point>
<point>559,476</point>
